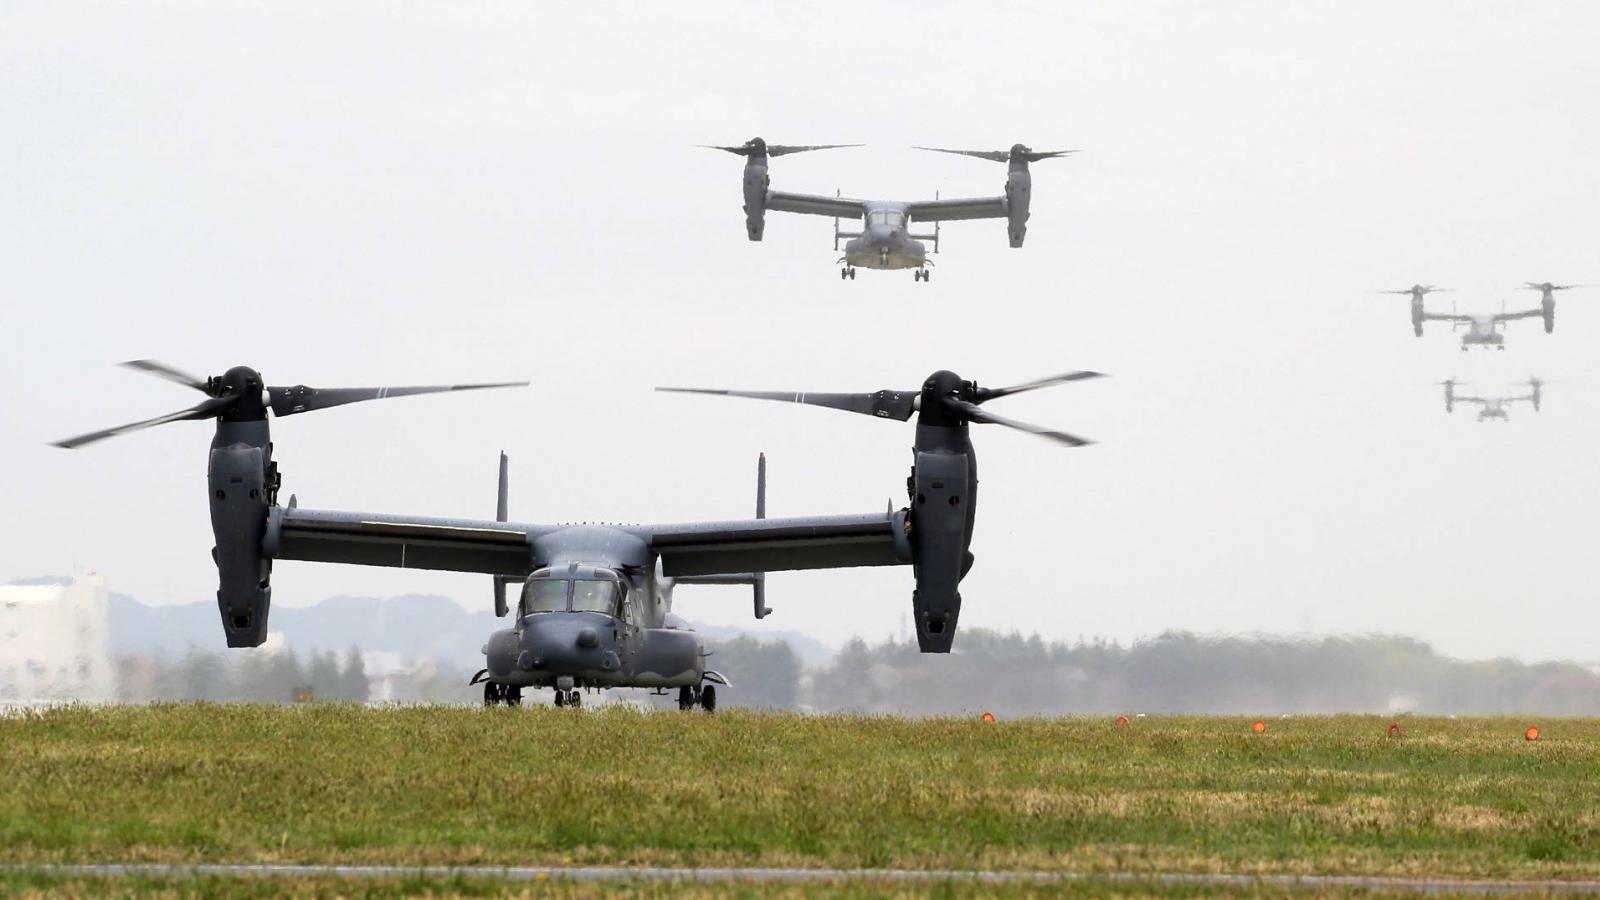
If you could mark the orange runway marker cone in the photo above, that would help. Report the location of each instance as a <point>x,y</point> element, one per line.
<point>988,717</point>
<point>1394,729</point>
<point>1532,734</point>
<point>1122,720</point>
<point>1258,726</point>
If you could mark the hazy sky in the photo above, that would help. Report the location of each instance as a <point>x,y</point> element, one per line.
<point>347,194</point>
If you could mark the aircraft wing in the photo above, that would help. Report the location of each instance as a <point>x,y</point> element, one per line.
<point>951,210</point>
<point>405,542</point>
<point>775,545</point>
<point>816,205</point>
<point>1525,314</point>
<point>1446,317</point>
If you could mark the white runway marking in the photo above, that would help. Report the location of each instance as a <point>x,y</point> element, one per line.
<point>661,873</point>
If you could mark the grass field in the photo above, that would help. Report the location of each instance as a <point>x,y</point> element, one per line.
<point>332,783</point>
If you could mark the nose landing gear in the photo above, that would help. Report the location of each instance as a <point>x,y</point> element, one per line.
<point>569,698</point>
<point>920,274</point>
<point>847,272</point>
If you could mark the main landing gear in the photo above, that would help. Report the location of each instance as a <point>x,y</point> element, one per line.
<point>847,272</point>
<point>704,697</point>
<point>920,275</point>
<point>501,694</point>
<point>569,698</point>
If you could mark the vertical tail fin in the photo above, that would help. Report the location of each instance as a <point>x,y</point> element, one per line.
<point>759,579</point>
<point>501,512</point>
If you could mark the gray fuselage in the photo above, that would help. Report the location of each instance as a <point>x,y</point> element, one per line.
<point>600,615</point>
<point>885,241</point>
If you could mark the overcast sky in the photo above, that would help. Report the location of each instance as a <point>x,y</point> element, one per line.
<point>350,194</point>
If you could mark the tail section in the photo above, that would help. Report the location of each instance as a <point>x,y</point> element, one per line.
<point>501,512</point>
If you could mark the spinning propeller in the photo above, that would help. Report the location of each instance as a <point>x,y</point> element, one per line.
<point>239,395</point>
<point>1417,290</point>
<point>1546,287</point>
<point>759,147</point>
<point>944,399</point>
<point>1017,152</point>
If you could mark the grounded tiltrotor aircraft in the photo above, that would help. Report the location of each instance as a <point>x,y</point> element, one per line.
<point>595,609</point>
<point>1493,407</point>
<point>1483,329</point>
<point>885,240</point>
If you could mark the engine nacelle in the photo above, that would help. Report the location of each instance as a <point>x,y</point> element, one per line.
<point>1417,316</point>
<point>756,182</point>
<point>1548,308</point>
<point>1019,190</point>
<point>239,478</point>
<point>940,499</point>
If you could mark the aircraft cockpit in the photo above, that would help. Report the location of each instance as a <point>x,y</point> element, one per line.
<point>893,218</point>
<point>573,589</point>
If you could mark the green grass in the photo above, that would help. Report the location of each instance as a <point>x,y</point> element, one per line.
<point>333,783</point>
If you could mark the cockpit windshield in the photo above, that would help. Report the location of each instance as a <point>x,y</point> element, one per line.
<point>594,596</point>
<point>884,217</point>
<point>592,590</point>
<point>544,595</point>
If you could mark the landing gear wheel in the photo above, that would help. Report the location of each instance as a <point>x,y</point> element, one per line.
<point>511,695</point>
<point>686,697</point>
<point>561,698</point>
<point>492,694</point>
<point>708,698</point>
<point>843,274</point>
<point>574,699</point>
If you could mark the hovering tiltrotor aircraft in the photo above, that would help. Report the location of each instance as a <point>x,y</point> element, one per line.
<point>1493,407</point>
<point>885,240</point>
<point>595,609</point>
<point>1483,329</point>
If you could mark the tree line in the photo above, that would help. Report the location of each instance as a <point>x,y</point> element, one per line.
<point>1008,674</point>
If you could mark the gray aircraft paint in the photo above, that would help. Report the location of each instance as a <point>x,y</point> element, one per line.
<point>885,239</point>
<point>631,638</point>
<point>1483,329</point>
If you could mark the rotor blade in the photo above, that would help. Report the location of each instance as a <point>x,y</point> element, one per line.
<point>162,370</point>
<point>206,409</point>
<point>739,150</point>
<point>286,401</point>
<point>994,155</point>
<point>976,413</point>
<point>1036,155</point>
<point>882,404</point>
<point>785,150</point>
<point>984,395</point>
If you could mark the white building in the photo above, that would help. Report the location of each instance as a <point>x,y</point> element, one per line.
<point>53,643</point>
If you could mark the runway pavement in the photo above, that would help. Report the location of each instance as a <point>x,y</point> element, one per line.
<point>1312,883</point>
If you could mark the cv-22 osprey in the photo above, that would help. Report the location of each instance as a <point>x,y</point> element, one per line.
<point>1482,329</point>
<point>1497,408</point>
<point>595,606</point>
<point>886,240</point>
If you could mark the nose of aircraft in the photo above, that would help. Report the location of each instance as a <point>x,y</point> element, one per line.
<point>565,643</point>
<point>881,234</point>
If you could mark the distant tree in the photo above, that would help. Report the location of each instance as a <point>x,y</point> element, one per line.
<point>324,678</point>
<point>763,673</point>
<point>354,685</point>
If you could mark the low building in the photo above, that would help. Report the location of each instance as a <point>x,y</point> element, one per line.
<point>54,644</point>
